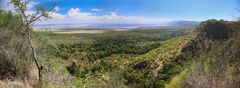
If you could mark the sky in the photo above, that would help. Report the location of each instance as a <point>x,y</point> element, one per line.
<point>136,11</point>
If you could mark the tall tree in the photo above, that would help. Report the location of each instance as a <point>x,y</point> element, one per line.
<point>27,19</point>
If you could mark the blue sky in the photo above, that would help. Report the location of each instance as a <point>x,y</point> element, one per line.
<point>140,11</point>
<point>179,9</point>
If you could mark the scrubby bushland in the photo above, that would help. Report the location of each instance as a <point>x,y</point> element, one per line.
<point>123,52</point>
<point>96,46</point>
<point>213,56</point>
<point>16,61</point>
<point>14,51</point>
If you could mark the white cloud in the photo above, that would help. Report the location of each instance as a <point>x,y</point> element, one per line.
<point>96,10</point>
<point>31,4</point>
<point>114,17</point>
<point>6,5</point>
<point>30,13</point>
<point>75,15</point>
<point>56,8</point>
<point>57,16</point>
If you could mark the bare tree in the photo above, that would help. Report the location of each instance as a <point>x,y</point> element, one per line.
<point>27,18</point>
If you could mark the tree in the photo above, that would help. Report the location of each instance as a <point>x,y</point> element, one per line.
<point>27,18</point>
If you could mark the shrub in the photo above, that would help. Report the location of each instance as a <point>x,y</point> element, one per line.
<point>14,50</point>
<point>216,29</point>
<point>177,81</point>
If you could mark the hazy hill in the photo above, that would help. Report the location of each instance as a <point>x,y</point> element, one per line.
<point>183,23</point>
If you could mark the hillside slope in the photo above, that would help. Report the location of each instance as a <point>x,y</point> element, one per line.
<point>144,70</point>
<point>213,57</point>
<point>206,58</point>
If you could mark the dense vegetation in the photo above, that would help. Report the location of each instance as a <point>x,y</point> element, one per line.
<point>207,58</point>
<point>114,54</point>
<point>170,57</point>
<point>97,46</point>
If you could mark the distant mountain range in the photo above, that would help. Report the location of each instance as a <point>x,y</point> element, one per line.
<point>115,25</point>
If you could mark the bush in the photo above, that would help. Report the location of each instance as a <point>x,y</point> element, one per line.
<point>216,29</point>
<point>14,51</point>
